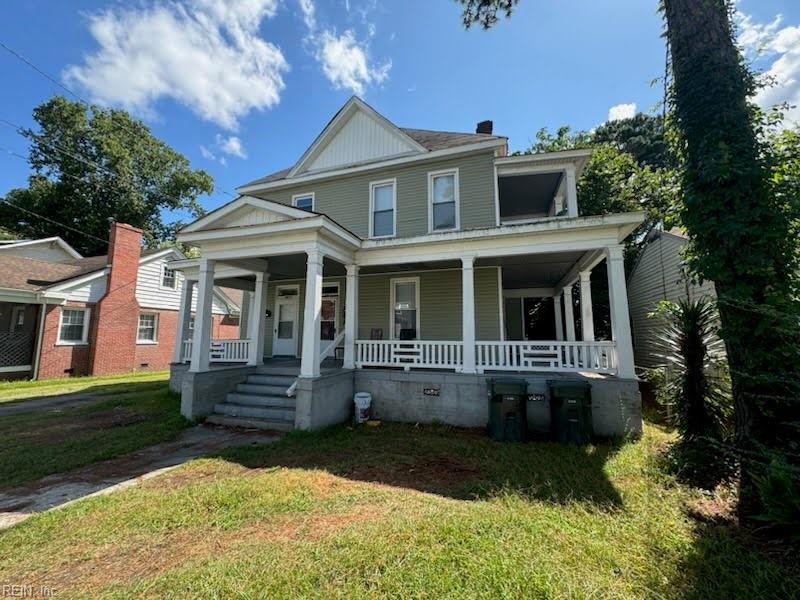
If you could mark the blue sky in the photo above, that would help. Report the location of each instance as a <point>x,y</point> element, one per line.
<point>242,88</point>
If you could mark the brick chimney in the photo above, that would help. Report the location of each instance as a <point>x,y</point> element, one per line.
<point>485,127</point>
<point>116,315</point>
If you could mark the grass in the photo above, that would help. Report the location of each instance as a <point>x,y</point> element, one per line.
<point>100,385</point>
<point>397,511</point>
<point>53,440</point>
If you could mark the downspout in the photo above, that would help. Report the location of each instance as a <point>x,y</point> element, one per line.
<point>39,338</point>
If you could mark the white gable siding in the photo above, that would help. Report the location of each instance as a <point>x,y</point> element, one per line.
<point>150,294</point>
<point>361,139</point>
<point>46,251</point>
<point>657,277</point>
<point>90,291</point>
<point>249,216</point>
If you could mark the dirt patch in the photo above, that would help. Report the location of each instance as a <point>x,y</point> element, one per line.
<point>717,506</point>
<point>93,421</point>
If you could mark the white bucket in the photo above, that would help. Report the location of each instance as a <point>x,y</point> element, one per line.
<point>362,401</point>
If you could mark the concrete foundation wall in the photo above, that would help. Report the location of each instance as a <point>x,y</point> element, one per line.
<point>324,401</point>
<point>462,400</point>
<point>201,391</point>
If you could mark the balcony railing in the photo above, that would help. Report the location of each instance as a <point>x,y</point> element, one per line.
<point>222,351</point>
<point>533,356</point>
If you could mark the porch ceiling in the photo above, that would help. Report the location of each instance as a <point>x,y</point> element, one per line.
<point>533,270</point>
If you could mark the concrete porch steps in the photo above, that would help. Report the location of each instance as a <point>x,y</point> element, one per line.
<point>232,409</point>
<point>250,423</point>
<point>260,402</point>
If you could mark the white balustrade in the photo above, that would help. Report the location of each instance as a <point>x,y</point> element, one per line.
<point>222,351</point>
<point>407,354</point>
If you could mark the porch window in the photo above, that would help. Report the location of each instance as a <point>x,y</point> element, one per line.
<point>74,326</point>
<point>405,308</point>
<point>382,208</point>
<point>303,201</point>
<point>148,328</point>
<point>168,279</point>
<point>443,200</point>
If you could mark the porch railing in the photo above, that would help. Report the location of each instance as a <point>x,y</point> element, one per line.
<point>225,351</point>
<point>532,356</point>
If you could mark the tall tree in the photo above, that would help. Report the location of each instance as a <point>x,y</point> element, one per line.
<point>91,166</point>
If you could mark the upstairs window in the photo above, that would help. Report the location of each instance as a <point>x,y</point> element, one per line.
<point>443,200</point>
<point>303,201</point>
<point>382,208</point>
<point>168,278</point>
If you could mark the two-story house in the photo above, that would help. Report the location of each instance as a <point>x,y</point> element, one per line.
<point>63,314</point>
<point>394,261</point>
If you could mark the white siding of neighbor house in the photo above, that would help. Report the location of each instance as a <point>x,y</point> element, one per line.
<point>91,291</point>
<point>657,276</point>
<point>150,294</point>
<point>46,251</point>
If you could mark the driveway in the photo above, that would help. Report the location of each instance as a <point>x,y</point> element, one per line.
<point>17,504</point>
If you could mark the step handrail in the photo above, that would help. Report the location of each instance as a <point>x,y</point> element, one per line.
<point>322,356</point>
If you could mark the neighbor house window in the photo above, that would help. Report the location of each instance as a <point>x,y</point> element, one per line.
<point>303,201</point>
<point>148,327</point>
<point>382,208</point>
<point>405,308</point>
<point>443,200</point>
<point>168,278</point>
<point>74,327</point>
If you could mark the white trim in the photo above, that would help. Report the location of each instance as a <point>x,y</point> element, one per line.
<point>15,312</point>
<point>296,197</point>
<point>496,196</point>
<point>146,342</point>
<point>418,308</point>
<point>297,319</point>
<point>454,171</point>
<point>164,267</point>
<point>501,303</point>
<point>432,155</point>
<point>55,239</point>
<point>260,203</point>
<point>15,369</point>
<point>87,313</point>
<point>77,281</point>
<point>372,186</point>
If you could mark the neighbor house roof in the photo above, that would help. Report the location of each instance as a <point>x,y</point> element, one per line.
<point>17,272</point>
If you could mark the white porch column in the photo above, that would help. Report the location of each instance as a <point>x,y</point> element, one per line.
<point>351,317</point>
<point>572,192</point>
<point>559,319</point>
<point>468,313</point>
<point>569,315</point>
<point>309,363</point>
<point>587,315</point>
<point>201,342</point>
<point>256,317</point>
<point>184,316</point>
<point>620,319</point>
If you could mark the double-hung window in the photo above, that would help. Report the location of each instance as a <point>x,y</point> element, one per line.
<point>168,278</point>
<point>405,308</point>
<point>382,196</point>
<point>74,326</point>
<point>148,328</point>
<point>443,200</point>
<point>303,201</point>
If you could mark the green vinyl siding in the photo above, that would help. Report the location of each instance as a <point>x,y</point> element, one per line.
<point>440,304</point>
<point>514,319</point>
<point>346,199</point>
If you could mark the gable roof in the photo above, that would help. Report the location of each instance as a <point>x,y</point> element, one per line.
<point>14,244</point>
<point>417,141</point>
<point>227,213</point>
<point>19,273</point>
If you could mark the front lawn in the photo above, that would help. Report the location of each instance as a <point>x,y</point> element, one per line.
<point>397,511</point>
<point>100,385</point>
<point>57,439</point>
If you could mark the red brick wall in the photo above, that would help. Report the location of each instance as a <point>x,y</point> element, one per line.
<point>225,328</point>
<point>56,361</point>
<point>117,312</point>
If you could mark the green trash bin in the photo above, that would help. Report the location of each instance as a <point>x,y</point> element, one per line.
<point>571,412</point>
<point>508,419</point>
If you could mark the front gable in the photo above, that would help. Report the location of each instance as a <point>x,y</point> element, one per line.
<point>246,211</point>
<point>356,135</point>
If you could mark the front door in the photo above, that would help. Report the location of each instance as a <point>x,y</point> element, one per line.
<point>329,316</point>
<point>287,309</point>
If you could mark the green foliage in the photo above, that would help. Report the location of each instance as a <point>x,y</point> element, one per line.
<point>94,166</point>
<point>485,12</point>
<point>779,489</point>
<point>642,136</point>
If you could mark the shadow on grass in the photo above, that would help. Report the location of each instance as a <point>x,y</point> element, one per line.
<point>41,396</point>
<point>457,463</point>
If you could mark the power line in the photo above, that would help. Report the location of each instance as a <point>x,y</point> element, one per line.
<point>30,212</point>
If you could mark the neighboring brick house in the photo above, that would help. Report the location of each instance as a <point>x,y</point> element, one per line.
<point>63,314</point>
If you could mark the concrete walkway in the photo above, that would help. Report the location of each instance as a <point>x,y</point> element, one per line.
<point>53,491</point>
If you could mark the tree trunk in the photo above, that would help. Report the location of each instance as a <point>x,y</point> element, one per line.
<point>740,236</point>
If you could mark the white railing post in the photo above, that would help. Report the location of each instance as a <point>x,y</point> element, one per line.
<point>620,318</point>
<point>468,313</point>
<point>558,317</point>
<point>351,317</point>
<point>257,318</point>
<point>587,314</point>
<point>309,362</point>
<point>201,345</point>
<point>184,316</point>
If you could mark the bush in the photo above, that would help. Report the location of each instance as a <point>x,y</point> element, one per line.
<point>779,489</point>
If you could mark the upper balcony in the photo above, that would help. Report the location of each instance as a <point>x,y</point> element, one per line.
<point>538,186</point>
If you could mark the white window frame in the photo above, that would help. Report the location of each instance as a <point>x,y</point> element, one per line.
<point>155,329</point>
<point>392,282</point>
<point>164,267</point>
<point>296,197</point>
<point>456,197</point>
<point>372,186</point>
<point>87,313</point>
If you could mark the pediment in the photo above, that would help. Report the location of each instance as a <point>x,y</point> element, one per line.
<point>247,215</point>
<point>357,134</point>
<point>246,211</point>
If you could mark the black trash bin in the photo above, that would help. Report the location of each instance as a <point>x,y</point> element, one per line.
<point>508,419</point>
<point>571,412</point>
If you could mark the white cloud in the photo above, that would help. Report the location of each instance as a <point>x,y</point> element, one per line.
<point>345,63</point>
<point>207,154</point>
<point>231,145</point>
<point>345,60</point>
<point>208,56</point>
<point>622,111</point>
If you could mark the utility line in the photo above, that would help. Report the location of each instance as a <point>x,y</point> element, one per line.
<point>30,212</point>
